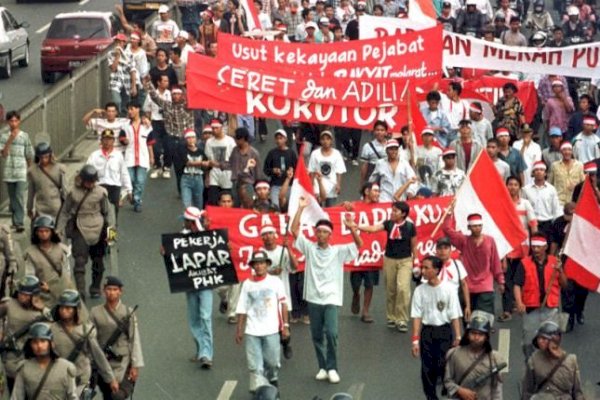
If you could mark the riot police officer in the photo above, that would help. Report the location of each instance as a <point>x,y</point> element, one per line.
<point>46,183</point>
<point>84,219</point>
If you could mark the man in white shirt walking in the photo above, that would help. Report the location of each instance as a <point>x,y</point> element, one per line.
<point>323,286</point>
<point>329,163</point>
<point>544,199</point>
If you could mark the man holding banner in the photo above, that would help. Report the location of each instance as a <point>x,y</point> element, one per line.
<point>323,286</point>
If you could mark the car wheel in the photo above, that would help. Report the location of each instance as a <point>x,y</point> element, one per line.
<point>48,77</point>
<point>25,61</point>
<point>6,71</point>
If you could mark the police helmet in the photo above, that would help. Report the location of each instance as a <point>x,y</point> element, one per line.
<point>29,284</point>
<point>42,148</point>
<point>266,392</point>
<point>69,298</point>
<point>572,11</point>
<point>88,173</point>
<point>548,330</point>
<point>479,324</point>
<point>44,221</point>
<point>539,5</point>
<point>39,330</point>
<point>341,396</point>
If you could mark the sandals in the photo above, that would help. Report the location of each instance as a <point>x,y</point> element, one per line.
<point>367,319</point>
<point>505,317</point>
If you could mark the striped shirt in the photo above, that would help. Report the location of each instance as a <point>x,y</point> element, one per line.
<point>21,150</point>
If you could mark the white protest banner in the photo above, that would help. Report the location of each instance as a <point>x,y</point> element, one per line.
<point>464,51</point>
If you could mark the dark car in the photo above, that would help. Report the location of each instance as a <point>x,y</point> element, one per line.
<point>73,39</point>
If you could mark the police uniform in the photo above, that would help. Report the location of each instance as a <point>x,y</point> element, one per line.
<point>86,231</point>
<point>45,191</point>
<point>60,383</point>
<point>17,317</point>
<point>565,383</point>
<point>51,266</point>
<point>458,361</point>
<point>128,347</point>
<point>8,260</point>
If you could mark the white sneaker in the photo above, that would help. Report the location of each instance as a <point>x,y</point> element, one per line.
<point>166,174</point>
<point>333,376</point>
<point>322,375</point>
<point>155,173</point>
<point>355,163</point>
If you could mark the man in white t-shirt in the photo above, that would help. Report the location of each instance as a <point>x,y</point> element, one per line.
<point>530,151</point>
<point>329,163</point>
<point>429,157</point>
<point>501,166</point>
<point>99,120</point>
<point>324,285</point>
<point>218,149</point>
<point>480,125</point>
<point>455,108</point>
<point>164,30</point>
<point>262,314</point>
<point>453,271</point>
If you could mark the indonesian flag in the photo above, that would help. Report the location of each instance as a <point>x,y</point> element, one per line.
<point>302,187</point>
<point>484,192</point>
<point>422,14</point>
<point>251,15</point>
<point>582,242</point>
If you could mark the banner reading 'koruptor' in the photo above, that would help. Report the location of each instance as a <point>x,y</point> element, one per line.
<point>197,261</point>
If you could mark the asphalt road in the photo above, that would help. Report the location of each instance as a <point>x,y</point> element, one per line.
<point>375,362</point>
<point>26,83</point>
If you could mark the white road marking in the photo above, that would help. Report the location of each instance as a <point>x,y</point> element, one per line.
<point>504,347</point>
<point>356,390</point>
<point>43,28</point>
<point>82,2</point>
<point>227,390</point>
<point>164,391</point>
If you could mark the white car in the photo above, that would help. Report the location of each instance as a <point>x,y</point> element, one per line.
<point>14,43</point>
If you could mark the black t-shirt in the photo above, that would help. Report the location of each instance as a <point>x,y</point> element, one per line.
<point>558,231</point>
<point>398,243</point>
<point>282,159</point>
<point>155,73</point>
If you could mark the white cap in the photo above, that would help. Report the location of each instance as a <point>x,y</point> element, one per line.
<point>163,9</point>
<point>310,25</point>
<point>281,132</point>
<point>324,21</point>
<point>184,34</point>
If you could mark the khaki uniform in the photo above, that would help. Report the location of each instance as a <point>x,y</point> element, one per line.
<point>64,345</point>
<point>458,360</point>
<point>17,317</point>
<point>8,258</point>
<point>60,384</point>
<point>85,230</point>
<point>44,196</point>
<point>127,346</point>
<point>565,384</point>
<point>56,274</point>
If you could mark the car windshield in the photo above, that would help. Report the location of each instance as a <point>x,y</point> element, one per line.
<point>85,28</point>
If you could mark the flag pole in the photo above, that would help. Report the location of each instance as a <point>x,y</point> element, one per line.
<point>453,203</point>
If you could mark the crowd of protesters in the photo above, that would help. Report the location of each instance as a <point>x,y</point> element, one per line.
<point>147,130</point>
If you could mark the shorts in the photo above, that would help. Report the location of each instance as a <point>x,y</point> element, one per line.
<point>367,278</point>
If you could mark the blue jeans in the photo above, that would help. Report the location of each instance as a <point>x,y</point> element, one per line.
<point>138,181</point>
<point>324,324</point>
<point>246,121</point>
<point>192,187</point>
<point>16,196</point>
<point>199,308</point>
<point>120,98</point>
<point>262,353</point>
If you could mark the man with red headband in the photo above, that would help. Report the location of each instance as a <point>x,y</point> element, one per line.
<point>538,280</point>
<point>565,174</point>
<point>543,197</point>
<point>586,145</point>
<point>323,286</point>
<point>480,257</point>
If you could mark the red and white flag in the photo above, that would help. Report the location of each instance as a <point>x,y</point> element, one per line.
<point>302,187</point>
<point>581,245</point>
<point>484,192</point>
<point>251,15</point>
<point>422,13</point>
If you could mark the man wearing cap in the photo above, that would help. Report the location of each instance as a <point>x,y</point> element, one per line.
<point>543,197</point>
<point>564,175</point>
<point>481,127</point>
<point>529,150</point>
<point>329,163</point>
<point>262,314</point>
<point>123,75</point>
<point>164,30</point>
<point>324,285</point>
<point>550,371</point>
<point>435,312</point>
<point>307,18</point>
<point>46,183</point>
<point>278,161</point>
<point>190,162</point>
<point>447,17</point>
<point>218,149</point>
<point>466,148</point>
<point>471,361</point>
<point>538,280</point>
<point>558,108</point>
<point>125,353</point>
<point>586,145</point>
<point>113,174</point>
<point>245,168</point>
<point>324,34</point>
<point>181,41</point>
<point>448,179</point>
<point>428,157</point>
<point>139,153</point>
<point>393,173</point>
<point>480,257</point>
<point>436,118</point>
<point>510,155</point>
<point>552,153</point>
